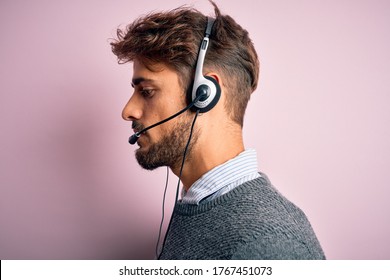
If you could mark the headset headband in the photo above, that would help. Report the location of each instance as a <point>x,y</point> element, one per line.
<point>204,85</point>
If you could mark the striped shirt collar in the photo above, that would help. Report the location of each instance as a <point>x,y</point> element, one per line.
<point>223,178</point>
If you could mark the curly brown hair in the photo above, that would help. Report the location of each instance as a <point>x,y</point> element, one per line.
<point>173,38</point>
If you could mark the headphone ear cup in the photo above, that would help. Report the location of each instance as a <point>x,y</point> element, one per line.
<point>215,99</point>
<point>212,90</point>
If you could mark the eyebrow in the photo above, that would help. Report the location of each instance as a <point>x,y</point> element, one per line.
<point>137,81</point>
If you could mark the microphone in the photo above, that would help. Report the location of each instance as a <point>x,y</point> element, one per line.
<point>134,138</point>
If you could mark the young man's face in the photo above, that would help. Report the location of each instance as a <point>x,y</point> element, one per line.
<point>158,95</point>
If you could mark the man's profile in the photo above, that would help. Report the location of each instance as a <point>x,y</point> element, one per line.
<point>209,66</point>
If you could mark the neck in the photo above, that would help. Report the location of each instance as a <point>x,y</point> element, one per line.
<point>206,154</point>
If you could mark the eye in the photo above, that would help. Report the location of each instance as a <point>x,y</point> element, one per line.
<point>147,92</point>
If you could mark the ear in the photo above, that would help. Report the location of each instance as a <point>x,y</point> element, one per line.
<point>215,76</point>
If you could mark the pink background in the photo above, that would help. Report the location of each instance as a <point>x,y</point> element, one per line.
<point>70,186</point>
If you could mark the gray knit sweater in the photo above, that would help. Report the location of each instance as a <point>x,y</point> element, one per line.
<point>253,221</point>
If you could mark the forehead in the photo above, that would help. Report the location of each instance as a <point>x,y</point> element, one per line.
<point>157,72</point>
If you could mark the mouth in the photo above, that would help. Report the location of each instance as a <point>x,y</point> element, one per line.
<point>137,128</point>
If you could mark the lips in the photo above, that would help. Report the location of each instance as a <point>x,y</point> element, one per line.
<point>137,127</point>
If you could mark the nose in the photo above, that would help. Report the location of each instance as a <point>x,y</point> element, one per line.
<point>133,109</point>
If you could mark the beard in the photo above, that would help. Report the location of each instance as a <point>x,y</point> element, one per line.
<point>169,150</point>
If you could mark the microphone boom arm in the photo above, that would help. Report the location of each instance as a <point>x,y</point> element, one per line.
<point>133,138</point>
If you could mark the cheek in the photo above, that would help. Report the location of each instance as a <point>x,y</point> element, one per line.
<point>171,106</point>
<point>161,109</point>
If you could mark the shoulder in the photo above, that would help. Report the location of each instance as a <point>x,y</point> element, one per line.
<point>280,229</point>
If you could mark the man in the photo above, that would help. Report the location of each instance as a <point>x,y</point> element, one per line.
<point>228,209</point>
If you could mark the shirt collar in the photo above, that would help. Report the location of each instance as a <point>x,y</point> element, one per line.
<point>234,170</point>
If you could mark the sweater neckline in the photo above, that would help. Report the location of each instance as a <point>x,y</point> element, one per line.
<point>192,209</point>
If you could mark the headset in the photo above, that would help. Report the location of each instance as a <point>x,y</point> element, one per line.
<point>204,86</point>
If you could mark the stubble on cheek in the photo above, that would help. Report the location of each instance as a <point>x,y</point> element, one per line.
<point>169,150</point>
